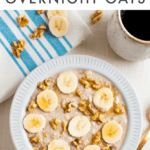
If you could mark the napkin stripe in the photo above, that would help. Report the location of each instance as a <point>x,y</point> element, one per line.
<point>55,42</point>
<point>24,36</point>
<point>25,57</point>
<point>14,59</point>
<point>50,56</point>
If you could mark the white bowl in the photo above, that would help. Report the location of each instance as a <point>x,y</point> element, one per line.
<point>27,87</point>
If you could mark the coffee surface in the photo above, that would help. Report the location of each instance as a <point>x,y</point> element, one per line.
<point>137,23</point>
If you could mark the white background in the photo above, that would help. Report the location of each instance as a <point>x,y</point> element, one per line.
<point>100,4</point>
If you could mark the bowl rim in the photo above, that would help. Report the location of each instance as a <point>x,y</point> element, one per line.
<point>51,67</point>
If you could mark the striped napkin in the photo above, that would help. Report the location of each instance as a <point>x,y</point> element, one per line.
<point>36,52</point>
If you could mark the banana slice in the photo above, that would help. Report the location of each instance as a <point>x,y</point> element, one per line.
<point>79,126</point>
<point>111,132</point>
<point>103,99</point>
<point>52,13</point>
<point>34,123</point>
<point>67,82</point>
<point>47,100</point>
<point>58,145</point>
<point>58,26</point>
<point>92,147</point>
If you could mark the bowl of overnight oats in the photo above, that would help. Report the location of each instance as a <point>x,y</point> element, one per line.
<point>75,102</point>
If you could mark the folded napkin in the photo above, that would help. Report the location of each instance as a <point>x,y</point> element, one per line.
<point>36,52</point>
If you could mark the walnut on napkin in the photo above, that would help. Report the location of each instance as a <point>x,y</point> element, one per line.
<point>97,16</point>
<point>23,21</point>
<point>18,47</point>
<point>38,32</point>
<point>40,12</point>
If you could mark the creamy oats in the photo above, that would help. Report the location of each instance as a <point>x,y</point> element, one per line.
<point>79,102</point>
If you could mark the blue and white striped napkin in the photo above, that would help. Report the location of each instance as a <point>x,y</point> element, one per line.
<point>36,52</point>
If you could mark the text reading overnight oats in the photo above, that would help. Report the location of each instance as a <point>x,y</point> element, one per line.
<point>76,109</point>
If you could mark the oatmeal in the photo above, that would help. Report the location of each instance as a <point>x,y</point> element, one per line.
<point>76,109</point>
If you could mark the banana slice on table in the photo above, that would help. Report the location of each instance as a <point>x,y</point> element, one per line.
<point>58,145</point>
<point>103,99</point>
<point>67,82</point>
<point>58,26</point>
<point>111,132</point>
<point>34,123</point>
<point>92,147</point>
<point>52,13</point>
<point>47,100</point>
<point>79,126</point>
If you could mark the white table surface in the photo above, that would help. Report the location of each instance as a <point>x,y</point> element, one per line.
<point>138,73</point>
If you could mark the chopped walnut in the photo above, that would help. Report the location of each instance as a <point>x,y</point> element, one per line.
<point>38,33</point>
<point>76,142</point>
<point>40,12</point>
<point>44,85</point>
<point>89,83</point>
<point>32,106</point>
<point>106,147</point>
<point>98,117</point>
<point>78,93</point>
<point>35,139</point>
<point>44,148</point>
<point>23,21</point>
<point>67,107</point>
<point>45,134</point>
<point>64,126</point>
<point>119,109</point>
<point>55,123</point>
<point>18,48</point>
<point>96,138</point>
<point>97,16</point>
<point>86,108</point>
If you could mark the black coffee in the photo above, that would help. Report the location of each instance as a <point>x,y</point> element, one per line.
<point>137,22</point>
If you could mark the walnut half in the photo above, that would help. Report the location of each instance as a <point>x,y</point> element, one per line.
<point>97,16</point>
<point>35,139</point>
<point>40,12</point>
<point>55,123</point>
<point>23,21</point>
<point>44,85</point>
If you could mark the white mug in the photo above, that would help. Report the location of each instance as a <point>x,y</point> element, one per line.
<point>123,43</point>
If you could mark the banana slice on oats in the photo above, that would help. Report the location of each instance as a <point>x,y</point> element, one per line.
<point>67,82</point>
<point>58,145</point>
<point>34,123</point>
<point>79,126</point>
<point>47,100</point>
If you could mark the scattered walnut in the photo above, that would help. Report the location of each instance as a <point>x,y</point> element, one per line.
<point>119,109</point>
<point>64,126</point>
<point>89,83</point>
<point>38,32</point>
<point>44,148</point>
<point>76,142</point>
<point>18,48</point>
<point>40,12</point>
<point>67,107</point>
<point>32,106</point>
<point>35,139</point>
<point>23,21</point>
<point>44,85</point>
<point>55,123</point>
<point>78,93</point>
<point>98,117</point>
<point>45,134</point>
<point>86,108</point>
<point>106,147</point>
<point>96,138</point>
<point>97,16</point>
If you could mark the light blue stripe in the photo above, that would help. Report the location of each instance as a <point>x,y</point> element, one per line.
<point>14,59</point>
<point>37,39</point>
<point>69,44</point>
<point>24,36</point>
<point>10,37</point>
<point>55,42</point>
<point>65,39</point>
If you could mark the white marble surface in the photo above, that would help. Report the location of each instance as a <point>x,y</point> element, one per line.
<point>138,73</point>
